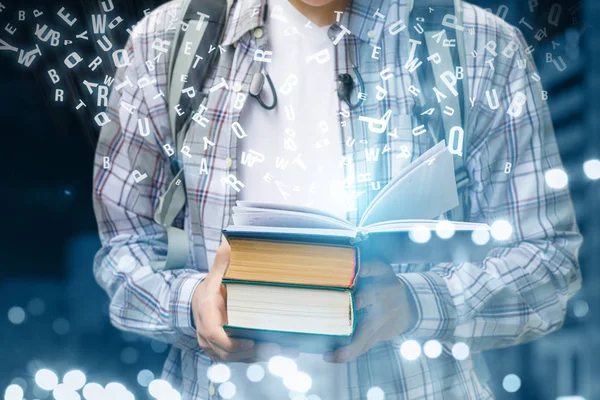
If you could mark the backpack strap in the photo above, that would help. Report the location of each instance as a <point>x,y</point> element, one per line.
<point>430,15</point>
<point>201,37</point>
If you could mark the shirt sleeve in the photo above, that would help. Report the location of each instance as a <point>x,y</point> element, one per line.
<point>519,292</point>
<point>153,304</point>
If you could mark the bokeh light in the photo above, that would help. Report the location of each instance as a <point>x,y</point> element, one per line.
<point>298,381</point>
<point>74,379</point>
<point>460,351</point>
<point>410,350</point>
<point>13,392</point>
<point>46,379</point>
<point>255,373</point>
<point>93,391</point>
<point>144,377</point>
<point>501,230</point>
<point>218,373</point>
<point>419,234</point>
<point>556,178</point>
<point>511,383</point>
<point>444,229</point>
<point>16,315</point>
<point>375,393</point>
<point>591,169</point>
<point>227,390</point>
<point>282,366</point>
<point>480,236</point>
<point>432,348</point>
<point>159,388</point>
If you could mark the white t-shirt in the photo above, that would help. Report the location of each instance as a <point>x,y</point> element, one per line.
<point>300,139</point>
<point>309,130</point>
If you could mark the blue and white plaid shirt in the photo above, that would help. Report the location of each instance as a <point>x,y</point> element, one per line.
<point>517,294</point>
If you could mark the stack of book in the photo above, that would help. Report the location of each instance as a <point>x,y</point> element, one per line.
<point>293,269</point>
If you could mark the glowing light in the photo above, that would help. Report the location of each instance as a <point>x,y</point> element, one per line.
<point>581,308</point>
<point>13,392</point>
<point>282,366</point>
<point>20,382</point>
<point>411,350</point>
<point>255,373</point>
<point>46,379</point>
<point>158,347</point>
<point>227,390</point>
<point>444,229</point>
<point>93,391</point>
<point>218,373</point>
<point>159,388</point>
<point>480,236</point>
<point>501,230</point>
<point>36,306</point>
<point>74,379</point>
<point>126,264</point>
<point>172,395</point>
<point>432,348</point>
<point>556,178</point>
<point>313,397</point>
<point>376,393</point>
<point>115,390</point>
<point>144,377</point>
<point>298,381</point>
<point>460,351</point>
<point>61,326</point>
<point>16,315</point>
<point>591,169</point>
<point>63,392</point>
<point>419,234</point>
<point>511,383</point>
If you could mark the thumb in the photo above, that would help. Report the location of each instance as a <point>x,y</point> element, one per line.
<point>221,261</point>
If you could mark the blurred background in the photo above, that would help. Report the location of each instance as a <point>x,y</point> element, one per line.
<point>52,313</point>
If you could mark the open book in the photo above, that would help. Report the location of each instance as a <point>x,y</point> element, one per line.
<point>293,269</point>
<point>398,224</point>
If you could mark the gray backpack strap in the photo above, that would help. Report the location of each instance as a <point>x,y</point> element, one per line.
<point>428,76</point>
<point>180,63</point>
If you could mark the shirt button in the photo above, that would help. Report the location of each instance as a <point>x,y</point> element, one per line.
<point>258,33</point>
<point>237,87</point>
<point>228,162</point>
<point>371,34</point>
<point>211,389</point>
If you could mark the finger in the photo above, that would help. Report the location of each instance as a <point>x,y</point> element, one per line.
<point>212,330</point>
<point>206,347</point>
<point>221,261</point>
<point>362,341</point>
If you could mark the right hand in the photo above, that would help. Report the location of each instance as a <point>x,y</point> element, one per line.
<point>209,309</point>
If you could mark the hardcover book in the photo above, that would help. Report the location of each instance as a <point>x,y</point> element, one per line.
<point>293,269</point>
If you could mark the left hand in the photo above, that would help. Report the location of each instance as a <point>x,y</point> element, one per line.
<point>383,301</point>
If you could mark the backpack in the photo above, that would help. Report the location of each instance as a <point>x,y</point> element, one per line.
<point>429,15</point>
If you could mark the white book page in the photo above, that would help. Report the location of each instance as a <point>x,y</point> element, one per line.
<point>284,218</point>
<point>242,204</point>
<point>426,191</point>
<point>289,309</point>
<point>407,225</point>
<point>299,231</point>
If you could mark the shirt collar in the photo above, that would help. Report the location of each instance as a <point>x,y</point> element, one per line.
<point>358,17</point>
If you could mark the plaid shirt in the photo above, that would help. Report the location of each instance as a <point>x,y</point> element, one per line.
<point>517,294</point>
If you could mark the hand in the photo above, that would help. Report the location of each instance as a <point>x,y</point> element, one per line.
<point>383,311</point>
<point>209,309</point>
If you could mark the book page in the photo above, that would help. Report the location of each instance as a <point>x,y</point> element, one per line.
<point>296,231</point>
<point>425,190</point>
<point>242,204</point>
<point>284,218</point>
<point>408,224</point>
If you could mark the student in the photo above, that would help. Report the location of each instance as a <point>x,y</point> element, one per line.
<point>312,149</point>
